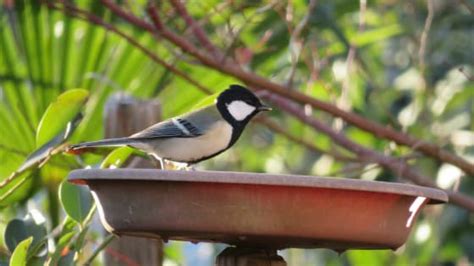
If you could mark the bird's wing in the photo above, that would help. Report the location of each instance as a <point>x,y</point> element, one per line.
<point>186,126</point>
<point>172,128</point>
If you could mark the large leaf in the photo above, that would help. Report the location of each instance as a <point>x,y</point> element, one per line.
<point>19,183</point>
<point>18,230</point>
<point>76,200</point>
<point>59,114</point>
<point>117,157</point>
<point>47,149</point>
<point>19,256</point>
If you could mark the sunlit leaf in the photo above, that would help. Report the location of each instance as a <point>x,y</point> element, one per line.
<point>59,113</point>
<point>13,191</point>
<point>19,256</point>
<point>117,157</point>
<point>364,257</point>
<point>209,100</point>
<point>76,200</point>
<point>46,150</point>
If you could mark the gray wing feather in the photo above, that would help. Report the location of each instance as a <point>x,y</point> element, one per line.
<point>168,129</point>
<point>190,125</point>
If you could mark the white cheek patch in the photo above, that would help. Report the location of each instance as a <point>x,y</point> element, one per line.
<point>240,110</point>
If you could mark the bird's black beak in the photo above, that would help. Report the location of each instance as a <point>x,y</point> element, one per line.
<point>264,108</point>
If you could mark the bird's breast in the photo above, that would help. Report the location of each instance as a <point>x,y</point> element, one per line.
<point>216,139</point>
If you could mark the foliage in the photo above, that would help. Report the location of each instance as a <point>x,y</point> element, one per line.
<point>368,61</point>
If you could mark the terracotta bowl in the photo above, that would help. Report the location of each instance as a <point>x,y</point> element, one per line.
<point>256,210</point>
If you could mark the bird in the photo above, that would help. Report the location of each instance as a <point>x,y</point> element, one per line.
<point>195,136</point>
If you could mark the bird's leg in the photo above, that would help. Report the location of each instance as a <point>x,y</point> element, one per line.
<point>190,167</point>
<point>157,161</point>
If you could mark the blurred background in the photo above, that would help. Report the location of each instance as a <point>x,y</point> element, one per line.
<point>407,65</point>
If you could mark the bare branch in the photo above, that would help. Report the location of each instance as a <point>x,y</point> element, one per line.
<point>467,5</point>
<point>310,146</point>
<point>380,131</point>
<point>98,21</point>
<point>296,40</point>
<point>196,28</point>
<point>87,16</point>
<point>424,35</point>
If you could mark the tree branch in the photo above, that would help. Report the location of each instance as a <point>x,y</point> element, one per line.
<point>378,130</point>
<point>424,36</point>
<point>466,4</point>
<point>310,146</point>
<point>271,125</point>
<point>72,10</point>
<point>197,30</point>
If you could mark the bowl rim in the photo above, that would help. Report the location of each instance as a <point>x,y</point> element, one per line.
<point>81,176</point>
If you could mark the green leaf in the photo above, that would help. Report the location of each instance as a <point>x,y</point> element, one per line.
<point>18,230</point>
<point>19,256</point>
<point>46,150</point>
<point>76,200</point>
<point>366,257</point>
<point>59,113</point>
<point>206,101</point>
<point>174,251</point>
<point>14,191</point>
<point>117,157</point>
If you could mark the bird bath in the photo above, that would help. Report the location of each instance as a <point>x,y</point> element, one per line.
<point>256,211</point>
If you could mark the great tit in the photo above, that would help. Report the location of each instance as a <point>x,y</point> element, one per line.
<point>195,136</point>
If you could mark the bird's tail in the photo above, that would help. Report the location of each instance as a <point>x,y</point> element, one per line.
<point>114,142</point>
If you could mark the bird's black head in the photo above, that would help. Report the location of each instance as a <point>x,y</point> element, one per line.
<point>238,105</point>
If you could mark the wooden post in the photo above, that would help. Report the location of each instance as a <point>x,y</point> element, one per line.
<point>125,115</point>
<point>237,256</point>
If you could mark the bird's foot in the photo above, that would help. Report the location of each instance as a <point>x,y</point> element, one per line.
<point>182,166</point>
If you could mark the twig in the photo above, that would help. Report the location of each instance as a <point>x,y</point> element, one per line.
<point>201,36</point>
<point>354,171</point>
<point>400,138</point>
<point>467,5</point>
<point>197,30</point>
<point>12,189</point>
<point>424,36</point>
<point>24,168</point>
<point>279,129</point>
<point>343,102</point>
<point>76,11</point>
<point>295,39</point>
<point>102,245</point>
<point>98,21</point>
